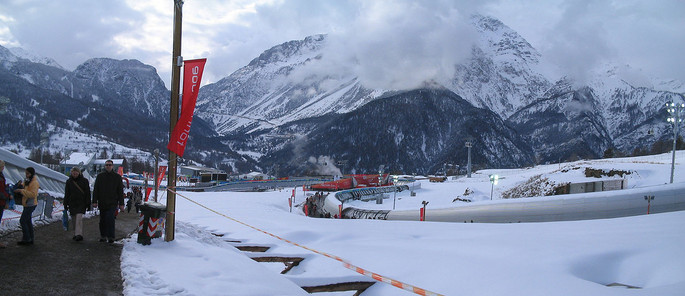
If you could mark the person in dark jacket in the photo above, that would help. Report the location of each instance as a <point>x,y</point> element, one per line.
<point>108,194</point>
<point>77,200</point>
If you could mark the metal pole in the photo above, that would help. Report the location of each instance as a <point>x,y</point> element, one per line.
<point>147,175</point>
<point>394,197</point>
<point>492,189</point>
<point>156,172</point>
<point>675,110</point>
<point>173,118</point>
<point>675,136</point>
<point>468,164</point>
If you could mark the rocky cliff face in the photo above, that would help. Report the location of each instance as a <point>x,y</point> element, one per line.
<point>415,131</point>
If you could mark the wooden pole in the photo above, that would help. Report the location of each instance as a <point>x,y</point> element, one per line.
<point>176,63</point>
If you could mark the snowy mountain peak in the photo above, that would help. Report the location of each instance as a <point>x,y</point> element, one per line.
<point>6,55</point>
<point>33,57</point>
<point>130,82</point>
<point>502,40</point>
<point>284,52</point>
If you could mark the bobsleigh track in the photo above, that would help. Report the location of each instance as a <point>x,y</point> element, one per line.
<point>581,206</point>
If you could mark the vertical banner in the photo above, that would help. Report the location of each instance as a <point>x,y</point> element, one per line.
<point>147,193</point>
<point>192,76</point>
<point>120,171</point>
<point>160,176</point>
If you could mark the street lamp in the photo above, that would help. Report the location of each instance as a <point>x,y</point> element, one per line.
<point>342,163</point>
<point>44,139</point>
<point>676,112</point>
<point>468,165</point>
<point>493,180</point>
<point>413,185</point>
<point>394,184</point>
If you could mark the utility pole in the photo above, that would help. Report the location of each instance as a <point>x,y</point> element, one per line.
<point>176,63</point>
<point>468,164</point>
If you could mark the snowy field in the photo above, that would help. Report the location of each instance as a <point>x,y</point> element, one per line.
<point>554,258</point>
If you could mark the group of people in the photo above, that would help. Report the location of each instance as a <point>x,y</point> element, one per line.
<point>314,206</point>
<point>107,196</point>
<point>135,199</point>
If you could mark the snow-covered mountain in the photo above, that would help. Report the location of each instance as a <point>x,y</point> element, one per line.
<point>503,73</point>
<point>500,76</point>
<point>412,132</point>
<point>559,119</point>
<point>127,83</point>
<point>25,54</point>
<point>265,93</point>
<point>295,101</point>
<point>105,104</point>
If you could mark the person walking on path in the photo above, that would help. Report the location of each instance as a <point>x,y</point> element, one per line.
<point>29,200</point>
<point>77,200</point>
<point>137,198</point>
<point>4,195</point>
<point>108,194</point>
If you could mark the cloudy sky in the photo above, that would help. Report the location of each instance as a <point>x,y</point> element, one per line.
<point>576,35</point>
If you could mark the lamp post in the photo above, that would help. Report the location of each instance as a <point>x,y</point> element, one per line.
<point>676,114</point>
<point>493,180</point>
<point>468,165</point>
<point>394,184</point>
<point>44,138</point>
<point>413,185</point>
<point>342,163</point>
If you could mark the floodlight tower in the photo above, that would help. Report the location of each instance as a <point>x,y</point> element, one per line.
<point>468,165</point>
<point>676,117</point>
<point>493,179</point>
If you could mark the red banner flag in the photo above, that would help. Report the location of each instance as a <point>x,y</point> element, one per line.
<point>160,174</point>
<point>147,193</point>
<point>192,75</point>
<point>120,171</point>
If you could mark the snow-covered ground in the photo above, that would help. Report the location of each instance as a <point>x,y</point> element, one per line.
<point>554,258</point>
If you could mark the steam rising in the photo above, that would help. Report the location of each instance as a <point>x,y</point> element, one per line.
<point>400,48</point>
<point>324,165</point>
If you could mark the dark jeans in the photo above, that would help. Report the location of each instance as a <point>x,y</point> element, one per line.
<point>27,224</point>
<point>107,223</point>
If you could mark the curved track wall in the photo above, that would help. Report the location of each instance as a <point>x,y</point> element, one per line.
<point>595,205</point>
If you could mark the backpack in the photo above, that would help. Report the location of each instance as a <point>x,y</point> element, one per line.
<point>18,196</point>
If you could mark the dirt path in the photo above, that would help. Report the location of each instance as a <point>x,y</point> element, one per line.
<point>57,265</point>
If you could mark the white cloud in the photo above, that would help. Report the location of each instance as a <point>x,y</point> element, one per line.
<point>387,43</point>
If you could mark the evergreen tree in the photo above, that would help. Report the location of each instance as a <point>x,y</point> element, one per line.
<point>609,153</point>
